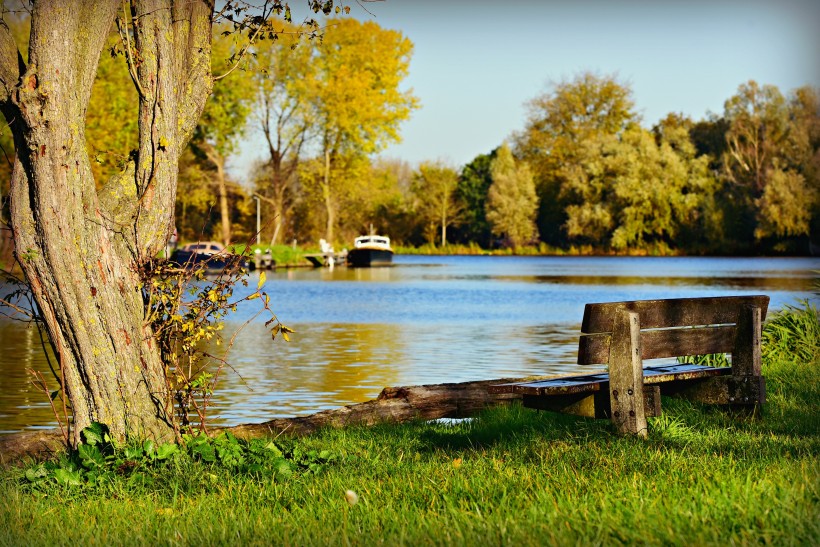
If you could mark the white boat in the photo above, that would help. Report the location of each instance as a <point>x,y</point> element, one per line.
<point>371,250</point>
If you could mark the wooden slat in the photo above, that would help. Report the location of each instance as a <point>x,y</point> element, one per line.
<point>673,312</point>
<point>626,375</point>
<point>594,348</point>
<point>590,383</point>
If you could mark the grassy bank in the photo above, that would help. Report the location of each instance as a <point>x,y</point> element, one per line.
<point>510,476</point>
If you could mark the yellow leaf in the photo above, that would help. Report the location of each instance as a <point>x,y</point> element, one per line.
<point>261,280</point>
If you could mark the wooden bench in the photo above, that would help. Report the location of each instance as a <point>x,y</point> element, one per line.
<point>623,334</point>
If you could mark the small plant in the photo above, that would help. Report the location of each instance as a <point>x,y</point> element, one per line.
<point>793,333</point>
<point>98,459</point>
<point>186,307</point>
<point>716,360</point>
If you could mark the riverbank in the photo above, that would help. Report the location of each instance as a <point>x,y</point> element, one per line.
<point>512,475</point>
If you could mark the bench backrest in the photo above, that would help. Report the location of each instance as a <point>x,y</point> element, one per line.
<point>671,328</point>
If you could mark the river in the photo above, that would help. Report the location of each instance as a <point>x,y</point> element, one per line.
<point>426,319</point>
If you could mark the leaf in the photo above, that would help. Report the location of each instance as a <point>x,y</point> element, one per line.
<point>205,452</point>
<point>70,478</point>
<point>35,474</point>
<point>166,451</point>
<point>271,446</point>
<point>93,434</point>
<point>90,456</point>
<point>262,278</point>
<point>283,469</point>
<point>148,446</point>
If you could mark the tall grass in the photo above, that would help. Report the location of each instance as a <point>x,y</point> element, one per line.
<point>510,476</point>
<point>793,333</point>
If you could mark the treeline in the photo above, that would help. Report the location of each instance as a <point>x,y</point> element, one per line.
<point>582,175</point>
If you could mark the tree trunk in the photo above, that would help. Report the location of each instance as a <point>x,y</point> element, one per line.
<point>443,228</point>
<point>329,208</point>
<point>81,252</point>
<point>218,161</point>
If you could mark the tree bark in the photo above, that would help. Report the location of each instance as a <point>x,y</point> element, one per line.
<point>394,405</point>
<point>81,251</point>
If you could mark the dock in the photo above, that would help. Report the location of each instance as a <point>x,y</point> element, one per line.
<point>328,257</point>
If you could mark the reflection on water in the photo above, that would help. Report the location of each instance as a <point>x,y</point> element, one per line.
<point>22,406</point>
<point>423,320</point>
<point>327,365</point>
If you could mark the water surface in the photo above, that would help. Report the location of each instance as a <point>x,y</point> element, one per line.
<point>423,320</point>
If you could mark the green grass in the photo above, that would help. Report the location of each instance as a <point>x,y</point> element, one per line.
<point>511,476</point>
<point>284,255</point>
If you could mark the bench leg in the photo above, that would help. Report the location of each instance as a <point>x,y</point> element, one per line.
<point>747,387</point>
<point>626,375</point>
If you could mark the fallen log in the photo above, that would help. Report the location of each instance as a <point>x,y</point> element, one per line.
<point>393,405</point>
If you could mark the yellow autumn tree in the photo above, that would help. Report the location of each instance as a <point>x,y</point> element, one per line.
<point>357,104</point>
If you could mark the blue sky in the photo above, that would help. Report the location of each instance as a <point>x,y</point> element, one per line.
<point>476,63</point>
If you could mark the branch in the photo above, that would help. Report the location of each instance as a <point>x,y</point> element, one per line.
<point>246,47</point>
<point>122,28</point>
<point>11,64</point>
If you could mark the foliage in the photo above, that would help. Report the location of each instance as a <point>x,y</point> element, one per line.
<point>282,113</point>
<point>771,159</point>
<point>356,103</point>
<point>185,308</point>
<point>434,187</point>
<point>564,131</point>
<point>474,182</point>
<point>99,463</point>
<point>511,199</point>
<point>793,333</point>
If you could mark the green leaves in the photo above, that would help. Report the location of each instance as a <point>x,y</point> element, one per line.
<point>98,462</point>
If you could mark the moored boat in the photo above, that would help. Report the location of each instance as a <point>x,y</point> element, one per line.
<point>370,250</point>
<point>210,254</point>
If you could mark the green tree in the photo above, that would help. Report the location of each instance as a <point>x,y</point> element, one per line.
<point>659,187</point>
<point>565,130</point>
<point>511,201</point>
<point>768,144</point>
<point>434,186</point>
<point>473,185</point>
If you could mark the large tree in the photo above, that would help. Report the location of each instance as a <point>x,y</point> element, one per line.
<point>770,160</point>
<point>223,121</point>
<point>565,127</point>
<point>357,102</point>
<point>435,185</point>
<point>473,185</point>
<point>82,250</point>
<point>511,201</point>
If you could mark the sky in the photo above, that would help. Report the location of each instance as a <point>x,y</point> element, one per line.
<point>477,63</point>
